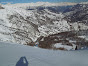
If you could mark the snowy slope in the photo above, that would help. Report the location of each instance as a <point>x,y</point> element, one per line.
<point>21,26</point>
<point>11,53</point>
<point>10,27</point>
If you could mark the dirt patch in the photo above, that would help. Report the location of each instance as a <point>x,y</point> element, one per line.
<point>65,38</point>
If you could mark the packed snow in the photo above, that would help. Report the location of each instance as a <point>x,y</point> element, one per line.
<point>10,54</point>
<point>59,45</point>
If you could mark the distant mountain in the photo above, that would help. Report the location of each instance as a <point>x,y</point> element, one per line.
<point>43,4</point>
<point>55,9</point>
<point>77,13</point>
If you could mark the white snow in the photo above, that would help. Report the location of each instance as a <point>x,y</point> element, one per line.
<point>83,3</point>
<point>27,5</point>
<point>11,53</point>
<point>8,27</point>
<point>81,25</point>
<point>84,37</point>
<point>58,26</point>
<point>59,45</point>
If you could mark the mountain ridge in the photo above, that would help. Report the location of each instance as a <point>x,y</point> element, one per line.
<point>20,25</point>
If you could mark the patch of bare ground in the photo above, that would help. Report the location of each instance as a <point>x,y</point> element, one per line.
<point>30,43</point>
<point>64,38</point>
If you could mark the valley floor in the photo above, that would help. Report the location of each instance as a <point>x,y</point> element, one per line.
<point>11,53</point>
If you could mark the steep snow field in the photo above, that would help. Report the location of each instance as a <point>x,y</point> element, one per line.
<point>11,53</point>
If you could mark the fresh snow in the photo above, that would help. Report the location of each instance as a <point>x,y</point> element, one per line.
<point>11,53</point>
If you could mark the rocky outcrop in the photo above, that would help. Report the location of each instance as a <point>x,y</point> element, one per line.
<point>1,7</point>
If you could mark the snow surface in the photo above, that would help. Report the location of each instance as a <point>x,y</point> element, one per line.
<point>84,37</point>
<point>37,4</point>
<point>81,25</point>
<point>11,53</point>
<point>59,45</point>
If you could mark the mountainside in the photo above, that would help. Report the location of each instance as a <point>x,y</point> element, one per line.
<point>26,24</point>
<point>21,26</point>
<point>55,9</point>
<point>77,13</point>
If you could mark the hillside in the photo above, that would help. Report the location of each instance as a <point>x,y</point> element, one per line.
<point>26,24</point>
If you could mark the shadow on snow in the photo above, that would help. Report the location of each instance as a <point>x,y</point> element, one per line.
<point>22,62</point>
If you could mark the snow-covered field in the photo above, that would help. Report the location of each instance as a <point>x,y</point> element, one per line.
<point>11,53</point>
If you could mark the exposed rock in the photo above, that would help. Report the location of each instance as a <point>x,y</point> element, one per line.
<point>1,7</point>
<point>64,40</point>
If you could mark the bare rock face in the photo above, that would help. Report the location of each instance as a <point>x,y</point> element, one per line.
<point>62,41</point>
<point>1,7</point>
